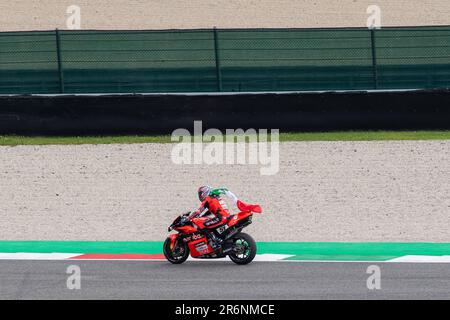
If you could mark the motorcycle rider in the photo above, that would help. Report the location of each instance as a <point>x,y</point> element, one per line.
<point>212,203</point>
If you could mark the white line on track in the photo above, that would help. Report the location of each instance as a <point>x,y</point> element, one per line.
<point>421,259</point>
<point>67,256</point>
<point>258,258</point>
<point>37,256</point>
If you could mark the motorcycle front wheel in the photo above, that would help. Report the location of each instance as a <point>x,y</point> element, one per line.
<point>178,254</point>
<point>244,249</point>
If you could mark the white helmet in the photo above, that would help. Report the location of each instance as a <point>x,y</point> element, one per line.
<point>203,192</point>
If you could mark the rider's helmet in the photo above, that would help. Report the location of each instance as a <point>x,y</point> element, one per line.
<point>203,192</point>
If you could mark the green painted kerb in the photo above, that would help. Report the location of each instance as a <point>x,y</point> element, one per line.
<point>337,251</point>
<point>345,251</point>
<point>81,246</point>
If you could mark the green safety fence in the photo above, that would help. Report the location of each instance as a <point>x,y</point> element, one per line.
<point>224,60</point>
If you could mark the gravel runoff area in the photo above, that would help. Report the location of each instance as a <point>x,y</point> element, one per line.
<point>324,191</point>
<point>163,14</point>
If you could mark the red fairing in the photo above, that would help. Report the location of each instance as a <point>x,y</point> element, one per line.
<point>200,222</point>
<point>256,208</point>
<point>238,217</point>
<point>186,229</point>
<point>199,247</point>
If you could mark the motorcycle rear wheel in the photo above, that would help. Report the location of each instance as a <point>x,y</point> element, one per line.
<point>244,249</point>
<point>181,254</point>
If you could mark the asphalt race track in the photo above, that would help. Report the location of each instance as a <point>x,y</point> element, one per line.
<point>221,280</point>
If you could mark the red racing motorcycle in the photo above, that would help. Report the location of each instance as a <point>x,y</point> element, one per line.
<point>239,246</point>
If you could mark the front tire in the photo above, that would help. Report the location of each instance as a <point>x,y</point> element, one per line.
<point>244,249</point>
<point>178,254</point>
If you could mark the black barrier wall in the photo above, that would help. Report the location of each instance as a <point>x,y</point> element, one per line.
<point>145,114</point>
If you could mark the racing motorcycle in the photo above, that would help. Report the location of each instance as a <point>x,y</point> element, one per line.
<point>239,246</point>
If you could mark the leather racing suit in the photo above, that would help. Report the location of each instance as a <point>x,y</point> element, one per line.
<point>215,206</point>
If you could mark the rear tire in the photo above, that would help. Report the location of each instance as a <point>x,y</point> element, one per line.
<point>176,257</point>
<point>244,249</point>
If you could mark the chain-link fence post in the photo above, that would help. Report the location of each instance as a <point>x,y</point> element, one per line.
<point>374,58</point>
<point>58,56</point>
<point>217,60</point>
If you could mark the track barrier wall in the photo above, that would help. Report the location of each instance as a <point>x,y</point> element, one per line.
<point>224,60</point>
<point>155,113</point>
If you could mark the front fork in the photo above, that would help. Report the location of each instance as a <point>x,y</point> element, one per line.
<point>173,239</point>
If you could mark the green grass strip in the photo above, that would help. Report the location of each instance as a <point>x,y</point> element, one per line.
<point>12,140</point>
